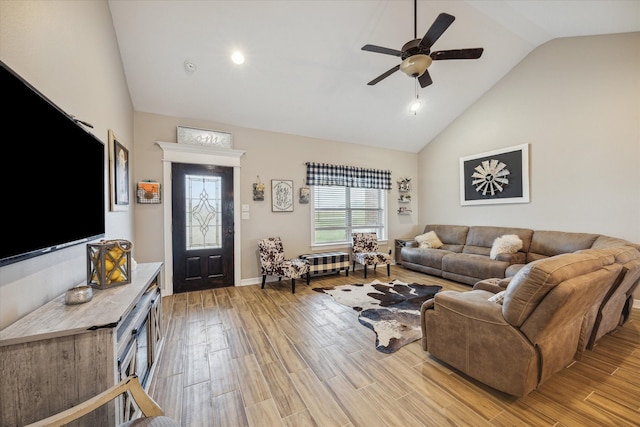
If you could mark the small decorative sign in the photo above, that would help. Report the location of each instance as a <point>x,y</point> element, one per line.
<point>148,192</point>
<point>203,137</point>
<point>281,195</point>
<point>304,195</point>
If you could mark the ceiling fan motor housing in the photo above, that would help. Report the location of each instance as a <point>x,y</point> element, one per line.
<point>415,58</point>
<point>413,48</point>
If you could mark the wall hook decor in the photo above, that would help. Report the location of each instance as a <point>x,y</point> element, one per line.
<point>258,189</point>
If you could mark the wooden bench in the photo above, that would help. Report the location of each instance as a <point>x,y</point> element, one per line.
<point>327,262</point>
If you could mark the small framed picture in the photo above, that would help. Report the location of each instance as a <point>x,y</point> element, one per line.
<point>118,173</point>
<point>281,195</point>
<point>148,192</point>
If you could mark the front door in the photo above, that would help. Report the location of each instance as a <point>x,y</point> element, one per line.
<point>202,227</point>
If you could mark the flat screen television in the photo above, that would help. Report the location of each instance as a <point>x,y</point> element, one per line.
<point>52,175</point>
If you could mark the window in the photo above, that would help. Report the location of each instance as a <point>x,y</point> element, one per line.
<point>340,211</point>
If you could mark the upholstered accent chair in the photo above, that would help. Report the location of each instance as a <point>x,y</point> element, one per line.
<point>152,414</point>
<point>365,252</point>
<point>274,263</point>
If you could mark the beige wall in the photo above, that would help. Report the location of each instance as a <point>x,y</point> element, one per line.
<point>576,102</point>
<point>68,51</point>
<point>271,156</point>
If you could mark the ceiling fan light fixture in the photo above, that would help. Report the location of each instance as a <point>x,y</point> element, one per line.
<point>415,106</point>
<point>416,65</point>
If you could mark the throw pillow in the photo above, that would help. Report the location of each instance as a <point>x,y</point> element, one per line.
<point>498,298</point>
<point>429,240</point>
<point>507,244</point>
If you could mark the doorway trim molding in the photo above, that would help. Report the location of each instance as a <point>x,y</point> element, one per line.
<point>196,154</point>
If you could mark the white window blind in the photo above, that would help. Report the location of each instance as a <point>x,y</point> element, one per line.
<point>340,211</point>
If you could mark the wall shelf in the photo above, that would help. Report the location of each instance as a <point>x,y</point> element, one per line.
<point>404,187</point>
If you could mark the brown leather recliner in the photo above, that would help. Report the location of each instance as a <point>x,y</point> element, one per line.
<point>613,310</point>
<point>514,346</point>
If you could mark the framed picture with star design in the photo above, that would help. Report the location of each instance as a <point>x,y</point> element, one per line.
<point>495,177</point>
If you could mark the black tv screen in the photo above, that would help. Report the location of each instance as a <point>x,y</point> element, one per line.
<point>52,175</point>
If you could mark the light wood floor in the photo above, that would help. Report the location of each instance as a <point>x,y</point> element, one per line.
<point>246,356</point>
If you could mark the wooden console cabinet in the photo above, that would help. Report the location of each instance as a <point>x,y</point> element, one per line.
<point>61,355</point>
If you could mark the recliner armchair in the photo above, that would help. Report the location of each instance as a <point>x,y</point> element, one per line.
<point>514,345</point>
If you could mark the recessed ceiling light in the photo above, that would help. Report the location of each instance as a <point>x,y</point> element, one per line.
<point>190,66</point>
<point>237,57</point>
<point>415,106</point>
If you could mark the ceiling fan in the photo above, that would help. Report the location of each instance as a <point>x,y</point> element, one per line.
<point>416,54</point>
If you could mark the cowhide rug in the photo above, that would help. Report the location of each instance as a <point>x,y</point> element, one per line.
<point>391,310</point>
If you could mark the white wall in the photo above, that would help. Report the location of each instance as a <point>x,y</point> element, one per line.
<point>68,51</point>
<point>576,102</point>
<point>271,156</point>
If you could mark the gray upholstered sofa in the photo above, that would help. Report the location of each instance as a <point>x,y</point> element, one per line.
<point>464,255</point>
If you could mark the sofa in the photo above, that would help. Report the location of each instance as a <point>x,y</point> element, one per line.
<point>549,300</point>
<point>516,339</point>
<point>464,255</point>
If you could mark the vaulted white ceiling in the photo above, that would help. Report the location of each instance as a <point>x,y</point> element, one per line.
<point>305,72</point>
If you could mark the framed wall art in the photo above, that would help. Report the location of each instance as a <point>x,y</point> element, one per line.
<point>203,137</point>
<point>495,177</point>
<point>118,174</point>
<point>281,195</point>
<point>148,192</point>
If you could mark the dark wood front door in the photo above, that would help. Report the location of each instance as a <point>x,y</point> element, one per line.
<point>202,203</point>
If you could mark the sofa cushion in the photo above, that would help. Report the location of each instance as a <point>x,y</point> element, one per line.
<point>424,256</point>
<point>534,281</point>
<point>620,254</point>
<point>480,238</point>
<point>607,242</point>
<point>506,244</point>
<point>550,243</point>
<point>475,266</point>
<point>453,237</point>
<point>429,240</point>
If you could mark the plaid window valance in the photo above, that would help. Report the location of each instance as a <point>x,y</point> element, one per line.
<point>347,176</point>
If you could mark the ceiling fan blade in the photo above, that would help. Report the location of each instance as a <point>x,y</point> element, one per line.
<point>384,75</point>
<point>438,27</point>
<point>379,49</point>
<point>457,54</point>
<point>425,79</point>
